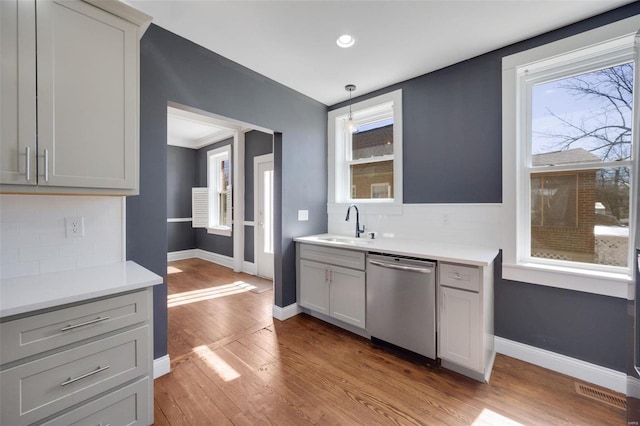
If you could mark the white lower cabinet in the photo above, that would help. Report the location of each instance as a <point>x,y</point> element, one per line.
<point>327,287</point>
<point>465,318</point>
<point>95,364</point>
<point>126,406</point>
<point>459,327</point>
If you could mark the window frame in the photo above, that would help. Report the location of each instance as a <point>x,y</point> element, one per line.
<point>605,46</point>
<point>216,156</point>
<point>339,159</point>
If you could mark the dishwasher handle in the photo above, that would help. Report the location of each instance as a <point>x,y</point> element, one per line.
<point>401,267</point>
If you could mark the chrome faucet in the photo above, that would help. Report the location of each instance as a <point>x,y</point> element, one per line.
<point>358,230</point>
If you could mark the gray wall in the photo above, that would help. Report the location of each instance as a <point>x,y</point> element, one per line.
<point>452,122</point>
<point>220,244</point>
<point>177,70</point>
<point>256,143</point>
<point>181,177</point>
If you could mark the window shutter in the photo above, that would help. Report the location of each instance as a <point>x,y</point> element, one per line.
<point>200,207</point>
<point>229,206</point>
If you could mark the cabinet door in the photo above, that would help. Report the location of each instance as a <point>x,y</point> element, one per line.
<point>87,96</point>
<point>460,332</point>
<point>314,286</point>
<point>347,295</point>
<point>17,92</point>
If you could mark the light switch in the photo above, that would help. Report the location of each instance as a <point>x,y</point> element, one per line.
<point>303,215</point>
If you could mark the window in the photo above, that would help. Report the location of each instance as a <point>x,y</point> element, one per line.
<point>212,206</point>
<point>219,184</point>
<point>570,161</point>
<point>365,162</point>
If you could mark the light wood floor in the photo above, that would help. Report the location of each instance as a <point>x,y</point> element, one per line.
<point>231,363</point>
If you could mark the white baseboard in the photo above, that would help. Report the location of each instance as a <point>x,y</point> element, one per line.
<point>201,254</point>
<point>215,258</point>
<point>249,268</point>
<point>286,312</point>
<point>601,376</point>
<point>161,366</point>
<point>181,255</point>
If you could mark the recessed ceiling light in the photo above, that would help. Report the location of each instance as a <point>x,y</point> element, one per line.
<point>345,40</point>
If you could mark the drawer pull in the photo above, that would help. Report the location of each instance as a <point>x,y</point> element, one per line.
<point>84,376</point>
<point>82,324</point>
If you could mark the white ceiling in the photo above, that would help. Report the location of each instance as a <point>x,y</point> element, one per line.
<point>294,42</point>
<point>192,130</point>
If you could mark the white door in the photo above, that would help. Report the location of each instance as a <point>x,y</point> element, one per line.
<point>263,200</point>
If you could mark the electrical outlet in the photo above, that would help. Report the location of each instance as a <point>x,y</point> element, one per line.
<point>74,227</point>
<point>445,219</point>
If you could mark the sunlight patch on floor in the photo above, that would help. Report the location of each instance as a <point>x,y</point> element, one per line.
<point>173,270</point>
<point>217,364</point>
<point>216,292</point>
<point>491,418</point>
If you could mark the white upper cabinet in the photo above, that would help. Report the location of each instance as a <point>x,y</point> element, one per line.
<point>87,97</point>
<point>17,92</point>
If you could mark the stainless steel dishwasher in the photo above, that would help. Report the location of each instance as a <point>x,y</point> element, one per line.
<point>401,302</point>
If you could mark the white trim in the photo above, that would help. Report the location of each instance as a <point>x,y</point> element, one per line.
<point>286,312</point>
<point>606,284</point>
<point>161,366</point>
<point>209,256</point>
<point>249,223</point>
<point>182,254</point>
<point>633,387</point>
<point>587,46</point>
<point>179,219</point>
<point>222,230</point>
<point>257,160</point>
<point>238,199</point>
<point>249,268</point>
<point>601,376</point>
<point>335,128</point>
<point>216,258</point>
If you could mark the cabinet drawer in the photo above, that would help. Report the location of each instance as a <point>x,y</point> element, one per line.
<point>347,258</point>
<point>39,333</point>
<point>460,276</point>
<point>126,406</point>
<point>43,387</point>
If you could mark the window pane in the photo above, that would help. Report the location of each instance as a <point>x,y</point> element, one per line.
<point>553,199</point>
<point>364,176</point>
<point>581,216</point>
<point>371,141</point>
<point>583,119</point>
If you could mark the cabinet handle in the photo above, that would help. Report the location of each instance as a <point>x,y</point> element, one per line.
<point>84,376</point>
<point>46,165</point>
<point>27,161</point>
<point>82,324</point>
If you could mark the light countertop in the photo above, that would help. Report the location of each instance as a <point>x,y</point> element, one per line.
<point>456,253</point>
<point>29,293</point>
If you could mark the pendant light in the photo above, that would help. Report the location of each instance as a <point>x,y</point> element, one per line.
<point>351,125</point>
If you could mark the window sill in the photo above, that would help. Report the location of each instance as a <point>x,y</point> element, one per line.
<point>220,231</point>
<point>602,283</point>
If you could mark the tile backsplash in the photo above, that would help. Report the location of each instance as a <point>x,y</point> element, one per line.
<point>33,239</point>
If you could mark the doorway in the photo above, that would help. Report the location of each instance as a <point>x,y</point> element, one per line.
<point>263,202</point>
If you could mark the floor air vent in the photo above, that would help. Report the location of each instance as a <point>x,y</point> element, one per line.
<point>602,396</point>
